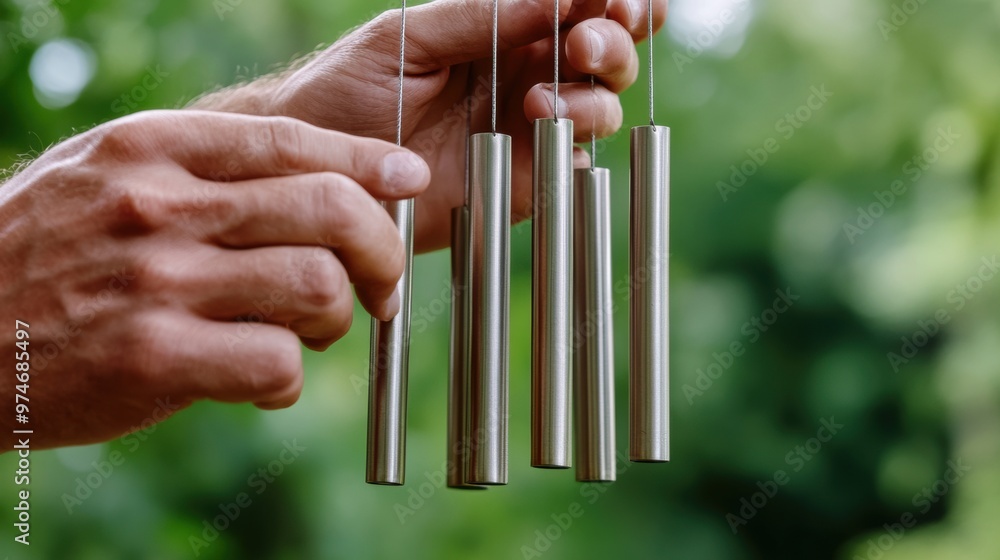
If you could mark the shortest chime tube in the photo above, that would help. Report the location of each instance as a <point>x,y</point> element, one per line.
<point>649,390</point>
<point>458,372</point>
<point>594,383</point>
<point>552,294</point>
<point>489,217</point>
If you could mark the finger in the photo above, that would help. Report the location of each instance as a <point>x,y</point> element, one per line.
<point>597,111</point>
<point>449,32</point>
<point>585,9</point>
<point>305,289</point>
<point>229,362</point>
<point>230,147</point>
<point>318,209</point>
<point>603,48</point>
<point>633,15</point>
<point>581,158</point>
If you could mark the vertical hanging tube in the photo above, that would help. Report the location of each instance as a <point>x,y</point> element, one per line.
<point>552,294</point>
<point>459,371</point>
<point>489,214</point>
<point>649,389</point>
<point>594,383</point>
<point>390,353</point>
<point>390,343</point>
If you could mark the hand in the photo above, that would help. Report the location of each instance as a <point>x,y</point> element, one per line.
<point>353,85</point>
<point>181,255</point>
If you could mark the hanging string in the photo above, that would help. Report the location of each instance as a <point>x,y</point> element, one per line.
<point>493,79</point>
<point>649,23</point>
<point>402,54</point>
<point>555,50</point>
<point>593,125</point>
<point>469,82</point>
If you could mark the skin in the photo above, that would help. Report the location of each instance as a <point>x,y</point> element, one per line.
<point>174,256</point>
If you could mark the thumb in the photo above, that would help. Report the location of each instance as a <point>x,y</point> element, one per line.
<point>448,32</point>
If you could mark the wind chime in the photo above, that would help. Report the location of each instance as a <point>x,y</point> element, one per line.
<point>572,341</point>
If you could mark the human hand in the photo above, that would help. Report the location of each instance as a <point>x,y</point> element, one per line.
<point>353,85</point>
<point>173,256</point>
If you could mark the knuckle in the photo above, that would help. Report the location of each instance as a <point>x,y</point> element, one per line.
<point>133,211</point>
<point>282,137</point>
<point>142,354</point>
<point>154,276</point>
<point>322,282</point>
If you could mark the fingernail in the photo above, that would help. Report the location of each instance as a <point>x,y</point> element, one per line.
<point>597,46</point>
<point>403,171</point>
<point>563,107</point>
<point>391,306</point>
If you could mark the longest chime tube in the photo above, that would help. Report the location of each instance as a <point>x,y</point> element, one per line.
<point>458,371</point>
<point>489,214</point>
<point>593,381</point>
<point>552,294</point>
<point>649,390</point>
<point>390,350</point>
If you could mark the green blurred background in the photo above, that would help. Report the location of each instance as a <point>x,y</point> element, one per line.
<point>915,89</point>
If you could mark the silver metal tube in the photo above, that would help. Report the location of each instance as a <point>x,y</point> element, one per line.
<point>649,379</point>
<point>593,338</point>
<point>458,371</point>
<point>390,354</point>
<point>552,291</point>
<point>489,215</point>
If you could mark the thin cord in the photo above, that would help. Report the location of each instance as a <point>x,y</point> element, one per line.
<point>468,136</point>
<point>493,84</point>
<point>649,21</point>
<point>402,54</point>
<point>555,49</point>
<point>593,126</point>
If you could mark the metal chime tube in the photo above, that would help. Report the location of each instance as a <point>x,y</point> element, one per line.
<point>388,372</point>
<point>593,379</point>
<point>390,345</point>
<point>649,390</point>
<point>459,370</point>
<point>552,293</point>
<point>594,383</point>
<point>489,213</point>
